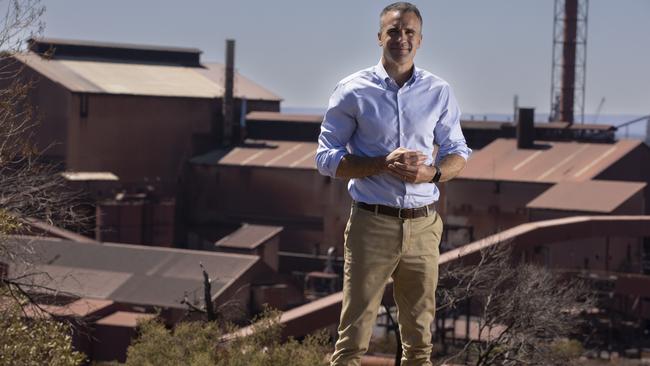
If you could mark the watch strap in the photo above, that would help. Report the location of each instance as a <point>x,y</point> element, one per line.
<point>436,177</point>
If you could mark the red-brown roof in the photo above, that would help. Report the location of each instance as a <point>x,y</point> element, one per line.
<point>124,319</point>
<point>272,154</point>
<point>575,126</point>
<point>551,163</point>
<point>284,117</point>
<point>79,308</point>
<point>466,123</point>
<point>482,125</point>
<point>589,196</point>
<point>249,236</point>
<point>244,87</point>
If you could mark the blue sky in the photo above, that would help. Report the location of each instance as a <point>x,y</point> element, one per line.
<point>487,50</point>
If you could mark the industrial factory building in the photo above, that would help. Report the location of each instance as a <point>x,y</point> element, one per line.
<point>192,167</point>
<point>271,183</point>
<point>499,181</point>
<point>133,113</point>
<point>138,112</point>
<point>110,286</point>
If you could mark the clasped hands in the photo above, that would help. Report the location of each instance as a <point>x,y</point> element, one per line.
<point>408,166</point>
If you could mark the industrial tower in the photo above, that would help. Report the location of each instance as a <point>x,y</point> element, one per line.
<point>568,74</point>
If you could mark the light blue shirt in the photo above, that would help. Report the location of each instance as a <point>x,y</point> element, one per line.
<point>369,115</point>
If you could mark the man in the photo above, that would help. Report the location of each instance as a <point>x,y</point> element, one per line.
<point>379,132</point>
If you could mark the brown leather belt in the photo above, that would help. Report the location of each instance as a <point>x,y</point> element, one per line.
<point>402,213</point>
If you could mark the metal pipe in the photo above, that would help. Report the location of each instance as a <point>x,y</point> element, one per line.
<point>228,101</point>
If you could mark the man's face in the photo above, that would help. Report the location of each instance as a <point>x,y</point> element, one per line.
<point>400,36</point>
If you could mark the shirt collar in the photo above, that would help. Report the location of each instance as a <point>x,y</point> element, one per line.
<point>383,75</point>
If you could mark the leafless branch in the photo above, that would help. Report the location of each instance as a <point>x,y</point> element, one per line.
<point>30,186</point>
<point>523,308</point>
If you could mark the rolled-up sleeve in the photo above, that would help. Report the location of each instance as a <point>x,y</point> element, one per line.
<point>335,132</point>
<point>448,134</point>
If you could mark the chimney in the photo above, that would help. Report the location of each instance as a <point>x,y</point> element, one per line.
<point>526,128</point>
<point>228,100</point>
<point>569,60</point>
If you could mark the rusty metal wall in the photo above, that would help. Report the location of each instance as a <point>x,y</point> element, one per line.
<point>52,108</point>
<point>140,139</point>
<point>487,206</point>
<point>312,209</point>
<point>143,140</point>
<point>606,253</point>
<point>139,222</point>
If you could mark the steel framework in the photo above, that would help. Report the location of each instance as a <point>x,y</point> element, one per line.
<point>568,73</point>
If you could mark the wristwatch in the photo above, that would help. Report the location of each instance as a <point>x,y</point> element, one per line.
<point>436,177</point>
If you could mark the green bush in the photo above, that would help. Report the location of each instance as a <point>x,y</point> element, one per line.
<point>567,349</point>
<point>34,341</point>
<point>201,344</point>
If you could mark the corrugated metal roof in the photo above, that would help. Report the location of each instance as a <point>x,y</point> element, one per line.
<point>263,153</point>
<point>130,273</point>
<point>124,319</point>
<point>79,308</point>
<point>483,125</point>
<point>496,125</point>
<point>249,236</point>
<point>274,154</point>
<point>284,117</point>
<point>83,282</point>
<point>318,118</point>
<point>553,162</point>
<point>82,76</point>
<point>470,124</point>
<point>580,196</point>
<point>244,87</point>
<point>76,42</point>
<point>57,232</point>
<point>575,126</point>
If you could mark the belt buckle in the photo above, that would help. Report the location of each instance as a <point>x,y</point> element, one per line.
<point>399,214</point>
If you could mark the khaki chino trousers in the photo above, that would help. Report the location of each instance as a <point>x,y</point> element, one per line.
<point>378,247</point>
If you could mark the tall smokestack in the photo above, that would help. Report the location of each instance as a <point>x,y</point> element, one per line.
<point>526,128</point>
<point>228,100</point>
<point>569,60</point>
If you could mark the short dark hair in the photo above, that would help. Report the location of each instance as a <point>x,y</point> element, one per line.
<point>402,7</point>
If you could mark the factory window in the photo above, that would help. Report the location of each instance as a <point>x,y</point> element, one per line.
<point>83,105</point>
